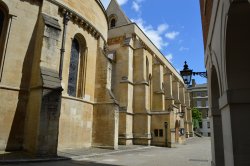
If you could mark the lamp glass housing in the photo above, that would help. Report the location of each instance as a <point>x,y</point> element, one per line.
<point>187,76</point>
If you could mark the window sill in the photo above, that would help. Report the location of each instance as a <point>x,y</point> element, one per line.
<point>77,99</point>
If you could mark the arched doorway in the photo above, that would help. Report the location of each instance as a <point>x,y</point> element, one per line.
<point>235,105</point>
<point>217,136</point>
<point>238,46</point>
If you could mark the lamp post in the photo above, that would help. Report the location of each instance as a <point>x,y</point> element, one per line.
<point>187,73</point>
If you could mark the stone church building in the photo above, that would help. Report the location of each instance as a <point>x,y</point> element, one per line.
<point>75,75</point>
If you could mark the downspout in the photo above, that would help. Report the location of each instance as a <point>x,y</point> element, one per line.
<point>66,19</point>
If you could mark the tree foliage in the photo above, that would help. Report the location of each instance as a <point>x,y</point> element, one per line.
<point>197,117</point>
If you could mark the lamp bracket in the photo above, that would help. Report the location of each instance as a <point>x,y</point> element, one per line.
<point>202,74</point>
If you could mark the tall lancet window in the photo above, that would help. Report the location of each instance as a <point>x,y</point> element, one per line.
<point>73,68</point>
<point>147,69</point>
<point>77,67</point>
<point>1,21</point>
<point>4,19</point>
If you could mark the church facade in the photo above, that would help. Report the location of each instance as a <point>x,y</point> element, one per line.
<point>154,102</point>
<point>69,80</point>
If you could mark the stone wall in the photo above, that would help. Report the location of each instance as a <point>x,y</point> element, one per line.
<point>16,73</point>
<point>39,116</point>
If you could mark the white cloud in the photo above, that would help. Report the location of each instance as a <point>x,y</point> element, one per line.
<point>155,35</point>
<point>169,57</point>
<point>122,2</point>
<point>172,35</point>
<point>162,27</point>
<point>183,48</point>
<point>136,6</point>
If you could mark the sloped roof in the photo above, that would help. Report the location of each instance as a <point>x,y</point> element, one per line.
<point>115,9</point>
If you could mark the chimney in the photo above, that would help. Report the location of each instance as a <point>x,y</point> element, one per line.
<point>193,83</point>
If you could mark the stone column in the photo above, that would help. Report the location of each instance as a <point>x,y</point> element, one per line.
<point>106,108</point>
<point>176,94</point>
<point>158,103</point>
<point>44,104</point>
<point>217,137</point>
<point>168,89</point>
<point>177,103</point>
<point>160,117</point>
<point>234,108</point>
<point>169,106</point>
<point>124,90</point>
<point>142,83</point>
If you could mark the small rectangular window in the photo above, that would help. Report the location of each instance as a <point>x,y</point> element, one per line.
<point>198,94</point>
<point>208,125</point>
<point>161,132</point>
<point>200,125</point>
<point>199,103</point>
<point>156,132</point>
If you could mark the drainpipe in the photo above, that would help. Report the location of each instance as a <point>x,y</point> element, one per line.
<point>66,19</point>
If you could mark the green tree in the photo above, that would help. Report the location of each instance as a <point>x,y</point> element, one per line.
<point>197,117</point>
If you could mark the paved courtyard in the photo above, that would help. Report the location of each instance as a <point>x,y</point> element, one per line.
<point>196,152</point>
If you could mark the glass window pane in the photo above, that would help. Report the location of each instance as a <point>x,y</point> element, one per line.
<point>161,132</point>
<point>113,22</point>
<point>199,103</point>
<point>73,68</point>
<point>156,132</point>
<point>1,21</point>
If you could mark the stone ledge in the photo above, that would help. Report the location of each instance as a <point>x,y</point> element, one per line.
<point>237,96</point>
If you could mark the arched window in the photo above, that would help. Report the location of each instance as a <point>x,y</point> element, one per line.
<point>77,68</point>
<point>4,19</point>
<point>147,69</point>
<point>112,23</point>
<point>1,21</point>
<point>73,68</point>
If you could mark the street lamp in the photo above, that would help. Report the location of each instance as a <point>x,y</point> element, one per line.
<point>182,113</point>
<point>186,74</point>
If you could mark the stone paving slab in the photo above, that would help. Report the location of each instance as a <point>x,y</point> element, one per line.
<point>195,152</point>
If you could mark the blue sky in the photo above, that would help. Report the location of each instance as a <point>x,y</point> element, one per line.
<point>174,26</point>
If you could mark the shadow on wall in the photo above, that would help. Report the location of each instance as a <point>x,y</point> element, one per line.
<point>32,2</point>
<point>16,136</point>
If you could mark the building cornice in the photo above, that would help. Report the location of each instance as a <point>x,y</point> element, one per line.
<point>79,20</point>
<point>145,43</point>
